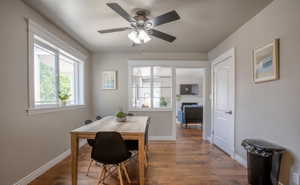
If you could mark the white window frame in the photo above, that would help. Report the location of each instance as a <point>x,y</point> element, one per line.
<point>130,87</point>
<point>37,32</point>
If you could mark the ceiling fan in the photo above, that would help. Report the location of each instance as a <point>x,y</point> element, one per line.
<point>142,26</point>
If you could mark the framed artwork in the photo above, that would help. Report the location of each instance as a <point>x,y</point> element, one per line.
<point>266,62</point>
<point>109,79</point>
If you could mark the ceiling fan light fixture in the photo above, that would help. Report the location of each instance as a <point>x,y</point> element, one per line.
<point>143,36</point>
<point>139,36</point>
<point>133,36</point>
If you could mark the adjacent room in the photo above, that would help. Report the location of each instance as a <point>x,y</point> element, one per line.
<point>189,96</point>
<point>172,92</point>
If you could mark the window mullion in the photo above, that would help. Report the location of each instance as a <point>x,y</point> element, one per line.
<point>57,76</point>
<point>151,86</point>
<point>76,83</point>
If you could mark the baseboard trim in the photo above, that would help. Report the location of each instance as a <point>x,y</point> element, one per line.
<point>240,159</point>
<point>41,170</point>
<point>162,138</point>
<point>208,138</point>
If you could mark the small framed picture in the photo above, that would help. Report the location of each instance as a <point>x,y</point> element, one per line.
<point>109,79</point>
<point>266,62</point>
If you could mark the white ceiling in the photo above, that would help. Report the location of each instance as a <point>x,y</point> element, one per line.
<point>203,24</point>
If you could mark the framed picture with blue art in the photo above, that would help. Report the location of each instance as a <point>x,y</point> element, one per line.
<point>109,80</point>
<point>266,62</point>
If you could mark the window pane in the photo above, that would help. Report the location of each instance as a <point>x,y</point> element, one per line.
<point>44,76</point>
<point>141,81</point>
<point>67,80</point>
<point>141,97</point>
<point>162,102</point>
<point>142,92</point>
<point>162,71</point>
<point>162,82</point>
<point>152,85</point>
<point>162,97</point>
<point>162,92</point>
<point>141,71</point>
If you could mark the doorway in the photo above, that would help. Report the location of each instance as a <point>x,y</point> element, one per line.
<point>223,102</point>
<point>190,98</point>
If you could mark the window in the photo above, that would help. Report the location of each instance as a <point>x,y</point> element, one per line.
<point>55,75</point>
<point>151,87</point>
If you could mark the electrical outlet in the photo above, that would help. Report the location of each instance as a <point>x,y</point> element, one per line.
<point>296,179</point>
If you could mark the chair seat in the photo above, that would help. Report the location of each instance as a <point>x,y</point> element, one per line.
<point>132,144</point>
<point>109,160</point>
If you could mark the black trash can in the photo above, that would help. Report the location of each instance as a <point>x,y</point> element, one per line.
<point>264,160</point>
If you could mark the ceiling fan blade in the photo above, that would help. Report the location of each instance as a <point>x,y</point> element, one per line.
<point>161,35</point>
<point>165,18</point>
<point>114,30</point>
<point>119,10</point>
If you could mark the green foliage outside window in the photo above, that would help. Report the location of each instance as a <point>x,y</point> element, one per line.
<point>47,85</point>
<point>65,87</point>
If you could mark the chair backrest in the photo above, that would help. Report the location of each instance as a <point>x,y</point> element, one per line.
<point>130,114</point>
<point>147,132</point>
<point>109,148</point>
<point>98,117</point>
<point>184,104</point>
<point>86,122</point>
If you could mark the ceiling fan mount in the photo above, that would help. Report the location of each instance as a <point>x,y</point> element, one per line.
<point>141,25</point>
<point>142,12</point>
<point>141,18</point>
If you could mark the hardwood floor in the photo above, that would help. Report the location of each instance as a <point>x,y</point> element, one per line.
<point>188,161</point>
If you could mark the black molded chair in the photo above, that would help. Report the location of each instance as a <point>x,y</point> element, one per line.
<point>98,117</point>
<point>133,145</point>
<point>110,149</point>
<point>130,114</point>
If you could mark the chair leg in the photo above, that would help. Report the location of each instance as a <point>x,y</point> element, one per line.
<point>120,175</point>
<point>91,162</point>
<point>146,159</point>
<point>126,173</point>
<point>102,175</point>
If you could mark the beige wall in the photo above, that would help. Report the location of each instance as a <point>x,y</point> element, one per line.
<point>107,102</point>
<point>269,110</point>
<point>28,142</point>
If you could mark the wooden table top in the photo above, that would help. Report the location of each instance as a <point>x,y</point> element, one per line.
<point>134,124</point>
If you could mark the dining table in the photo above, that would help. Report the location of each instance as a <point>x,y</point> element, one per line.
<point>134,128</point>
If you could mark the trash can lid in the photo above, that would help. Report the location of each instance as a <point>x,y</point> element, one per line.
<point>266,146</point>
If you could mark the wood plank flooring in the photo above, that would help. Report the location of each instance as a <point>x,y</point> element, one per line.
<point>188,161</point>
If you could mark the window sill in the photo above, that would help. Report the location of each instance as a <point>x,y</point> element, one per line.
<point>42,110</point>
<point>150,110</point>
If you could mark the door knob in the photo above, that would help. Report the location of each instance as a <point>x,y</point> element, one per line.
<point>229,112</point>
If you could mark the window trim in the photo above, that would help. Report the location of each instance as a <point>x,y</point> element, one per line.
<point>36,31</point>
<point>130,85</point>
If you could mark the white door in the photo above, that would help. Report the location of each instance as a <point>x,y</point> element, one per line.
<point>223,102</point>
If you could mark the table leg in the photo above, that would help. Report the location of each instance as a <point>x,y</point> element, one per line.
<point>74,155</point>
<point>142,160</point>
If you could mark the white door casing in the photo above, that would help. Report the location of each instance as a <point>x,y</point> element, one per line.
<point>223,101</point>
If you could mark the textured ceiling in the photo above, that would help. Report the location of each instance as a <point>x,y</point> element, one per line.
<point>203,24</point>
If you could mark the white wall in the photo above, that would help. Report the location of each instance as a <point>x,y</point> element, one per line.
<point>269,110</point>
<point>28,142</point>
<point>109,102</point>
